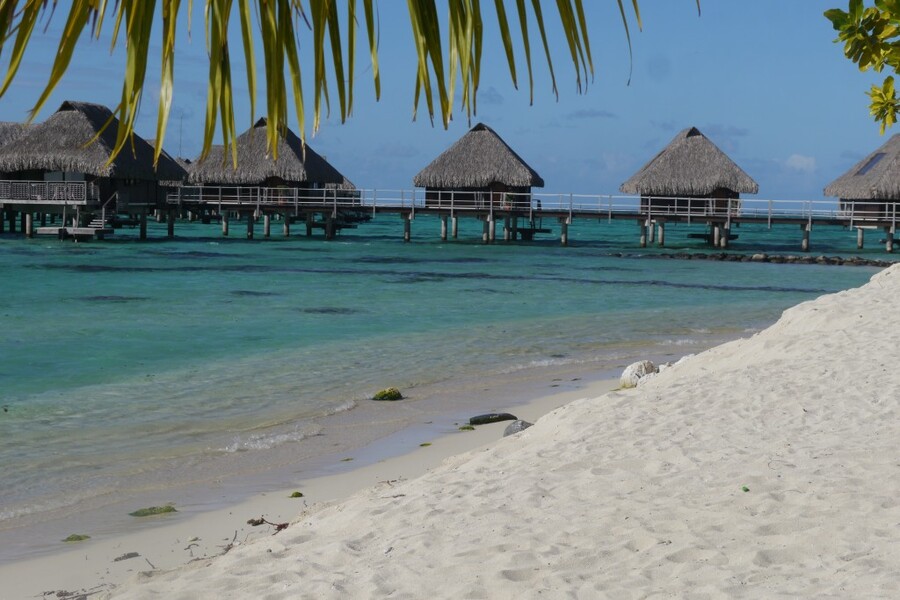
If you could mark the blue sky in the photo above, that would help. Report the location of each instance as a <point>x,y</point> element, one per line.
<point>763,80</point>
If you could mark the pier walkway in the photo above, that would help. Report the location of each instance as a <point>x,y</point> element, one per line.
<point>522,215</point>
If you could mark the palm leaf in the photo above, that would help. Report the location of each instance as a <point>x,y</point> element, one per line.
<point>438,69</point>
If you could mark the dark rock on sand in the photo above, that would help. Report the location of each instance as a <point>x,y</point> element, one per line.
<point>491,418</point>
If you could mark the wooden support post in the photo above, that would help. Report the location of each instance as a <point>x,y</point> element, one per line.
<point>652,227</point>
<point>492,229</point>
<point>170,223</point>
<point>249,225</point>
<point>22,220</point>
<point>485,236</point>
<point>454,226</point>
<point>889,242</point>
<point>506,229</point>
<point>143,229</point>
<point>564,232</point>
<point>28,225</point>
<point>2,220</point>
<point>158,215</point>
<point>804,245</point>
<point>662,233</point>
<point>43,219</point>
<point>860,237</point>
<point>286,226</point>
<point>716,235</point>
<point>643,225</point>
<point>443,228</point>
<point>407,227</point>
<point>310,219</point>
<point>267,225</point>
<point>12,221</point>
<point>225,223</point>
<point>726,232</point>
<point>329,227</point>
<point>515,228</point>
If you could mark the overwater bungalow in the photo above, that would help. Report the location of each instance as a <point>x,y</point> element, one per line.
<point>870,190</point>
<point>296,168</point>
<point>299,184</point>
<point>690,167</point>
<point>62,166</point>
<point>479,171</point>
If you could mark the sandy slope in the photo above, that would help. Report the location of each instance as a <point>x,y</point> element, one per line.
<point>639,493</point>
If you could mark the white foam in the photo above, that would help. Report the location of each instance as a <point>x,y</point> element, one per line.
<point>269,441</point>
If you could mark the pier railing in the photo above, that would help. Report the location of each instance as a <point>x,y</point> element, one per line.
<point>528,204</point>
<point>48,192</point>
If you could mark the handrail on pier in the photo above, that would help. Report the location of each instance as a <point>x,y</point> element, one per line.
<point>486,202</point>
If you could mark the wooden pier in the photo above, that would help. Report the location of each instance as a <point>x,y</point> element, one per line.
<point>522,217</point>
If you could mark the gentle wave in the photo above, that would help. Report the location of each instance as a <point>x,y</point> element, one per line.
<point>269,441</point>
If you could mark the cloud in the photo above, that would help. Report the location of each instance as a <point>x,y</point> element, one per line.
<point>725,136</point>
<point>803,164</point>
<point>397,150</point>
<point>664,125</point>
<point>591,113</point>
<point>609,162</point>
<point>725,131</point>
<point>490,96</point>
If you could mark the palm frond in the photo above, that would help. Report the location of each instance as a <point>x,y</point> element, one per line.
<point>441,64</point>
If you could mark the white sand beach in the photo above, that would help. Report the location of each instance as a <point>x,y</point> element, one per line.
<point>763,468</point>
<point>94,567</point>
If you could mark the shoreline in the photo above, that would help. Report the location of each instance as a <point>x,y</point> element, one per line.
<point>197,531</point>
<point>763,467</point>
<point>371,432</point>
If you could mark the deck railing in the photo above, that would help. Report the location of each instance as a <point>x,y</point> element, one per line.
<point>48,192</point>
<point>650,208</point>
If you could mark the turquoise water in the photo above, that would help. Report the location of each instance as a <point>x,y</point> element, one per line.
<point>137,367</point>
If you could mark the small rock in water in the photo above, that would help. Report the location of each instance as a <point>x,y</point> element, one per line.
<point>491,418</point>
<point>516,427</point>
<point>390,394</point>
<point>635,371</point>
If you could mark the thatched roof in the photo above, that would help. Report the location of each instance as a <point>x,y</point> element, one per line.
<point>11,131</point>
<point>877,176</point>
<point>477,160</point>
<point>61,143</point>
<point>690,165</point>
<point>255,166</point>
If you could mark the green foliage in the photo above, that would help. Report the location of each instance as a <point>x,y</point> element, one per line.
<point>871,38</point>
<point>466,428</point>
<point>77,537</point>
<point>153,510</point>
<point>296,495</point>
<point>425,444</point>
